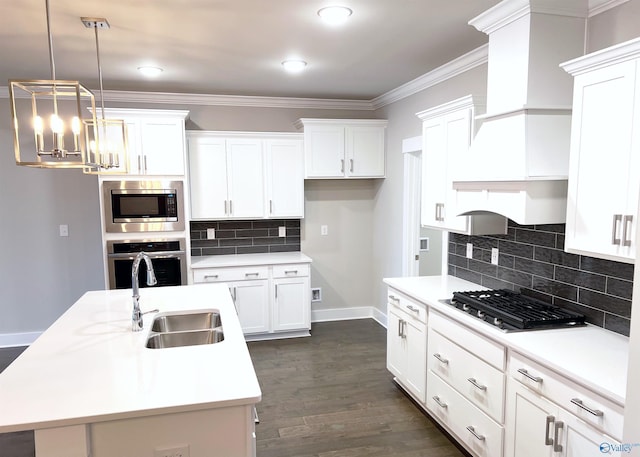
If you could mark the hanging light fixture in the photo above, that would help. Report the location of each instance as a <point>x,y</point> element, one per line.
<point>106,138</point>
<point>47,118</point>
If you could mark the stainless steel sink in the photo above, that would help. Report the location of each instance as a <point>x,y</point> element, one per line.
<point>185,328</point>
<point>184,321</point>
<point>178,339</point>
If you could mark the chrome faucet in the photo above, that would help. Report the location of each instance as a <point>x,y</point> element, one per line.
<point>136,318</point>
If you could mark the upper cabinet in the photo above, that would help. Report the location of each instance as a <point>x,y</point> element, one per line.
<point>155,140</point>
<point>245,175</point>
<point>344,148</point>
<point>604,167</point>
<point>447,131</point>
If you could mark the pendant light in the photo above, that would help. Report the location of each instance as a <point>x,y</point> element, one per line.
<point>47,118</point>
<point>106,138</point>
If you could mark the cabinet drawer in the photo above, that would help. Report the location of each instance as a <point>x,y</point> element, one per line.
<point>464,419</point>
<point>230,274</point>
<point>411,307</point>
<point>291,270</point>
<point>483,348</point>
<point>604,415</point>
<point>477,381</point>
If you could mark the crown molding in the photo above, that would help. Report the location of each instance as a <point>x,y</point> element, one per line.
<point>600,6</point>
<point>453,68</point>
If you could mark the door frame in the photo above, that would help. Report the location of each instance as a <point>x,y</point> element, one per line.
<point>411,196</point>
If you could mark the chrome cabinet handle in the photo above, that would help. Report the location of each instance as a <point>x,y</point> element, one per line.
<point>441,212</point>
<point>351,165</point>
<point>441,359</point>
<point>400,328</point>
<point>579,404</point>
<point>271,206</point>
<point>145,163</point>
<point>226,209</point>
<point>139,164</point>
<point>341,165</point>
<point>525,373</point>
<point>230,207</point>
<point>276,291</point>
<point>557,447</point>
<point>475,383</point>
<point>614,230</point>
<point>437,205</point>
<point>439,402</point>
<point>626,220</point>
<point>246,275</point>
<point>394,298</point>
<point>548,441</point>
<point>210,276</point>
<point>404,327</point>
<point>412,308</point>
<point>291,272</point>
<point>472,430</point>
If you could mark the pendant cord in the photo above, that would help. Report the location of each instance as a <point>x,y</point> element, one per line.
<point>51,61</point>
<point>99,70</point>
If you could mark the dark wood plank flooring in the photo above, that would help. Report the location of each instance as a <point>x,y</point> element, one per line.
<point>325,396</point>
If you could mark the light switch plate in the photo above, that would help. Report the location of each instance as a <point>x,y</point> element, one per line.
<point>469,251</point>
<point>64,230</point>
<point>494,256</point>
<point>324,230</point>
<point>211,234</point>
<point>282,231</point>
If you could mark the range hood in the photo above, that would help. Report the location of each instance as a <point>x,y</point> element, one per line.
<point>518,163</point>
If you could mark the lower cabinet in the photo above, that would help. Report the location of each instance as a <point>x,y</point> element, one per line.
<point>548,415</point>
<point>407,343</point>
<point>271,300</point>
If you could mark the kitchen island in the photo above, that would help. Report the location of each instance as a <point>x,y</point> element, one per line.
<point>89,386</point>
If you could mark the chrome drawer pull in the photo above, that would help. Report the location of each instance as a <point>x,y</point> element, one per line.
<point>625,223</point>
<point>441,359</point>
<point>556,431</point>
<point>548,441</point>
<point>210,276</point>
<point>411,308</point>
<point>578,403</point>
<point>291,272</point>
<point>614,229</point>
<point>439,402</point>
<point>524,372</point>
<point>472,430</point>
<point>394,298</point>
<point>251,274</point>
<point>475,383</point>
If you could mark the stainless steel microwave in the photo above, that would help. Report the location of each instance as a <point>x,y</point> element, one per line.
<point>143,206</point>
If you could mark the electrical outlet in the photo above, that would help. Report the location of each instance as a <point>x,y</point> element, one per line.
<point>211,234</point>
<point>64,230</point>
<point>282,232</point>
<point>324,230</point>
<point>176,451</point>
<point>469,251</point>
<point>316,294</point>
<point>494,256</point>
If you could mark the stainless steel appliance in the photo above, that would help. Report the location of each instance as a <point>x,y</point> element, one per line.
<point>168,256</point>
<point>512,311</point>
<point>143,206</point>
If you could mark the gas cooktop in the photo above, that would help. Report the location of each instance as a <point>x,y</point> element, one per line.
<point>512,311</point>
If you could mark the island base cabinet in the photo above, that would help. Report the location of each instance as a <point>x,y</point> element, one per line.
<point>481,435</point>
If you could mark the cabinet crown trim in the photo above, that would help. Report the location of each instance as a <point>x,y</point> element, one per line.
<point>146,113</point>
<point>241,134</point>
<point>629,50</point>
<point>468,101</point>
<point>300,123</point>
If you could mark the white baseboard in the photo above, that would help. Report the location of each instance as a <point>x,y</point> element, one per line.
<point>343,314</point>
<point>18,339</point>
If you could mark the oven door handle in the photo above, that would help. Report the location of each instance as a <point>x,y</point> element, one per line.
<point>152,255</point>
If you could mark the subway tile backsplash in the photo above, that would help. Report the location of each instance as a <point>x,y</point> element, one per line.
<point>245,237</point>
<point>531,260</point>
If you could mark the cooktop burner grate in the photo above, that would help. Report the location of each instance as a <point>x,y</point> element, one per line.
<point>505,308</point>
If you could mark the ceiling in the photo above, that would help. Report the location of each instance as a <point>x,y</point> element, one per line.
<point>235,47</point>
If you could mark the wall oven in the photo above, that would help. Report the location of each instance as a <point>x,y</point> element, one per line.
<point>143,206</point>
<point>167,255</point>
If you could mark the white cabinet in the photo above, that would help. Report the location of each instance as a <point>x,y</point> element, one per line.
<point>245,176</point>
<point>155,140</point>
<point>447,131</point>
<point>344,148</point>
<point>271,300</point>
<point>604,168</point>
<point>407,343</point>
<point>549,415</point>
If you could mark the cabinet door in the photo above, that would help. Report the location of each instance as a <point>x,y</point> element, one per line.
<point>364,152</point>
<point>396,344</point>
<point>581,440</point>
<point>208,178</point>
<point>162,146</point>
<point>245,172</point>
<point>285,178</point>
<point>134,146</point>
<point>457,128</point>
<point>434,178</point>
<point>251,299</point>
<point>530,421</point>
<point>324,151</point>
<point>416,344</point>
<point>603,163</point>
<point>291,305</point>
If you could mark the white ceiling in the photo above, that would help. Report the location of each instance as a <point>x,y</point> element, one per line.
<point>234,47</point>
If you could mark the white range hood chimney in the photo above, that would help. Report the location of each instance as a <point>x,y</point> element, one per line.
<point>518,163</point>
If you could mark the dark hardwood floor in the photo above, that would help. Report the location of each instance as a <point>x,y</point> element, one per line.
<point>325,396</point>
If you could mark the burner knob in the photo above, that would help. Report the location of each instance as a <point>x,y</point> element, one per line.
<point>481,314</point>
<point>465,307</point>
<point>497,321</point>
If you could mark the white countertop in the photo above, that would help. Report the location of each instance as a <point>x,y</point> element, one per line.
<point>589,355</point>
<point>90,367</point>
<point>238,260</point>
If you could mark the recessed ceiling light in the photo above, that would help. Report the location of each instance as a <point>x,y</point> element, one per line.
<point>294,66</point>
<point>335,15</point>
<point>150,71</point>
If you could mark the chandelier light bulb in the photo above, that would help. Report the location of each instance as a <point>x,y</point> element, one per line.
<point>75,125</point>
<point>38,125</point>
<point>56,124</point>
